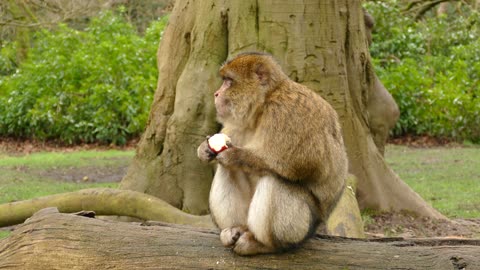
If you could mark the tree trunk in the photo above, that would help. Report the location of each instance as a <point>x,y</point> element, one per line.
<point>442,8</point>
<point>321,44</point>
<point>50,240</point>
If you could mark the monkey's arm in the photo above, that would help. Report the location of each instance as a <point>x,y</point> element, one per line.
<point>234,157</point>
<point>244,159</point>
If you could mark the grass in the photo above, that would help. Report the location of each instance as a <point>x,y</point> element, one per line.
<point>64,159</point>
<point>4,234</point>
<point>30,176</point>
<point>447,178</point>
<point>28,188</point>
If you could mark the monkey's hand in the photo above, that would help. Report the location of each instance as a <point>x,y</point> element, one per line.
<point>227,157</point>
<point>204,152</point>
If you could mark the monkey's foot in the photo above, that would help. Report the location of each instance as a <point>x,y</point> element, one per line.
<point>248,245</point>
<point>229,236</point>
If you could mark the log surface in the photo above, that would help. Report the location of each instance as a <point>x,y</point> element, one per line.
<point>51,240</point>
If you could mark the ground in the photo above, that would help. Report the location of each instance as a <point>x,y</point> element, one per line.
<point>93,173</point>
<point>376,224</point>
<point>407,226</point>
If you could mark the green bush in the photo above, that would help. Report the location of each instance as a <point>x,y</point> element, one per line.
<point>83,86</point>
<point>7,59</point>
<point>432,69</point>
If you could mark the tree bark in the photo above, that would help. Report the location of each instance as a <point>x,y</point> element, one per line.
<point>182,114</point>
<point>50,240</point>
<point>104,201</point>
<point>442,8</point>
<point>321,44</point>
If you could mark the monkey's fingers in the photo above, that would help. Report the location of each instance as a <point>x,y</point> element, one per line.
<point>204,152</point>
<point>211,155</point>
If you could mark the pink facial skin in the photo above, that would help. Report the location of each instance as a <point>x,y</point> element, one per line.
<point>221,103</point>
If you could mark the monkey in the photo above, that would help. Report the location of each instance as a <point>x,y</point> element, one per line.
<point>285,166</point>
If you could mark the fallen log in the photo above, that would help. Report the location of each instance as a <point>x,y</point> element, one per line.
<point>51,240</point>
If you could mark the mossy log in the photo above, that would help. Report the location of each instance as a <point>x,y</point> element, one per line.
<point>51,240</point>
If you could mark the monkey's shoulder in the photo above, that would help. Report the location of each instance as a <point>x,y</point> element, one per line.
<point>295,101</point>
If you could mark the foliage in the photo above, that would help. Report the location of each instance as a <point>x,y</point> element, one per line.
<point>432,68</point>
<point>7,59</point>
<point>83,86</point>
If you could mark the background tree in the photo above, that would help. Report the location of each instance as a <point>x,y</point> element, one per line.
<point>422,7</point>
<point>19,19</point>
<point>436,59</point>
<point>320,44</point>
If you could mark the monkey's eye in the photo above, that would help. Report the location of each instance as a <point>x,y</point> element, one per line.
<point>227,81</point>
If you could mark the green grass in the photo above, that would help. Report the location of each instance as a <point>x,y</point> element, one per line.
<point>28,188</point>
<point>4,234</point>
<point>447,178</point>
<point>64,159</point>
<point>22,177</point>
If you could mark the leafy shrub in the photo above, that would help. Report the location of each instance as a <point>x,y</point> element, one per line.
<point>83,86</point>
<point>432,69</point>
<point>7,59</point>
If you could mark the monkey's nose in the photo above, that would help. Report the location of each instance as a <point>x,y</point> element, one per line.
<point>216,94</point>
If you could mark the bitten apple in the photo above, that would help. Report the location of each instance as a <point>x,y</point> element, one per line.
<point>218,142</point>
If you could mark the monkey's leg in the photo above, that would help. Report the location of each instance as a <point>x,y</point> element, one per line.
<point>279,217</point>
<point>230,197</point>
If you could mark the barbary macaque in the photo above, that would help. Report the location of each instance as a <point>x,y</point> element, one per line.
<point>282,167</point>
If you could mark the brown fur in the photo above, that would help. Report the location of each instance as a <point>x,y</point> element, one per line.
<point>286,166</point>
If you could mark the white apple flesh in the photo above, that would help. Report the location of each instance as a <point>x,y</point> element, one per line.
<point>218,142</point>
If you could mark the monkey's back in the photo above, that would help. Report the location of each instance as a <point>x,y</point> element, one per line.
<point>302,135</point>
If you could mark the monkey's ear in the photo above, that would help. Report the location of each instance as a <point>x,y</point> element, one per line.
<point>263,73</point>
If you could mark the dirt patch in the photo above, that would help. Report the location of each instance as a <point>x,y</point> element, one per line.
<point>404,225</point>
<point>22,147</point>
<point>86,174</point>
<point>423,141</point>
<point>89,174</point>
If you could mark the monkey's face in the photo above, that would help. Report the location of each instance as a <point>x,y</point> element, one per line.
<point>222,102</point>
<point>235,100</point>
<point>241,93</point>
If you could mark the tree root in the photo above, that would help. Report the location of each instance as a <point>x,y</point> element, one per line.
<point>103,201</point>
